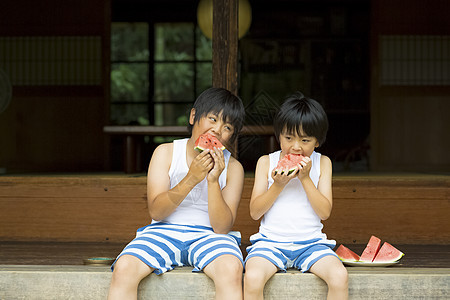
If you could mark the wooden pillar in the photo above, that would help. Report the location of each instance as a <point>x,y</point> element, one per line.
<point>225,45</point>
<point>130,154</point>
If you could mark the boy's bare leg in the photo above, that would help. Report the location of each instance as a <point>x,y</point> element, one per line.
<point>333,272</point>
<point>258,271</point>
<point>226,272</point>
<point>128,273</point>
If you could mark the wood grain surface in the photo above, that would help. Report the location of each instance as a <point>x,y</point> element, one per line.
<point>400,209</point>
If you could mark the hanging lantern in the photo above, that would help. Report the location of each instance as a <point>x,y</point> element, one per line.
<point>205,17</point>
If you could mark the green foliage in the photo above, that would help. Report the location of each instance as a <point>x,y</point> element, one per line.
<point>129,82</point>
<point>175,69</point>
<point>129,42</point>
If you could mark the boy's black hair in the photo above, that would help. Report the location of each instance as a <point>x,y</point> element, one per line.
<point>220,101</point>
<point>299,113</point>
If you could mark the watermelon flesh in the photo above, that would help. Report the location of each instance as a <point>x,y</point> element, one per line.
<point>371,249</point>
<point>208,141</point>
<point>385,254</point>
<point>346,254</point>
<point>388,253</point>
<point>288,162</point>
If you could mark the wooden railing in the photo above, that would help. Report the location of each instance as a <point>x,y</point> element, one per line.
<point>130,134</point>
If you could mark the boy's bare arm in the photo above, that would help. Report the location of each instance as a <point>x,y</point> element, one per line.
<point>162,201</point>
<point>262,198</point>
<point>321,198</point>
<point>223,204</point>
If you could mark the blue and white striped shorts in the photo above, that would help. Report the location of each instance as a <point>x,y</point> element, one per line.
<point>164,246</point>
<point>300,255</point>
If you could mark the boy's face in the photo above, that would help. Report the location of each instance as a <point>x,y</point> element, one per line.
<point>293,143</point>
<point>212,123</point>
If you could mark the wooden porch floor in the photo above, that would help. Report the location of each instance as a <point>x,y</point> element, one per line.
<point>73,253</point>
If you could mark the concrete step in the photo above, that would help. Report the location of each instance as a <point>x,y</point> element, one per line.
<point>92,282</point>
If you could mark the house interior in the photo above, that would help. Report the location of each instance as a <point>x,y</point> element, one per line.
<point>379,68</point>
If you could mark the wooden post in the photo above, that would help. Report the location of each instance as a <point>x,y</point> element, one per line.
<point>225,45</point>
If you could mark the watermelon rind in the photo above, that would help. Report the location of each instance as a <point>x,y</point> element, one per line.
<point>282,171</point>
<point>290,171</point>
<point>346,255</point>
<point>198,148</point>
<point>388,253</point>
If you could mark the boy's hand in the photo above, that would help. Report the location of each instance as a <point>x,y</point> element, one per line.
<point>218,165</point>
<point>282,178</point>
<point>304,167</point>
<point>201,165</point>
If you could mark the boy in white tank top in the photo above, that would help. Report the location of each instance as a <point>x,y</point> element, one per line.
<point>193,199</point>
<point>292,205</point>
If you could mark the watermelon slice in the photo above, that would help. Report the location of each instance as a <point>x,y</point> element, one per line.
<point>388,253</point>
<point>288,162</point>
<point>346,254</point>
<point>208,141</point>
<point>371,249</point>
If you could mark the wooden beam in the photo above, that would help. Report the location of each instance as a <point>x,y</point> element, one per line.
<point>109,208</point>
<point>225,44</point>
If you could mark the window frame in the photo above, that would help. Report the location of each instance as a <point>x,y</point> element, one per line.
<point>150,102</point>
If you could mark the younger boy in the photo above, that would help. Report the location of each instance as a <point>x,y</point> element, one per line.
<point>292,205</point>
<point>193,199</point>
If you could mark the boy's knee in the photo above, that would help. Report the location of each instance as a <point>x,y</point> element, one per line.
<point>128,267</point>
<point>339,278</point>
<point>229,268</point>
<point>233,267</point>
<point>254,279</point>
<point>123,265</point>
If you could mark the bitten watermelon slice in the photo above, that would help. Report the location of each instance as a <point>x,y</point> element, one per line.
<point>208,141</point>
<point>288,162</point>
<point>388,253</point>
<point>371,249</point>
<point>346,254</point>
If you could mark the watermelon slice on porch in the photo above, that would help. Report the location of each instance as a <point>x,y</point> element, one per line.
<point>346,254</point>
<point>288,162</point>
<point>388,253</point>
<point>371,249</point>
<point>208,141</point>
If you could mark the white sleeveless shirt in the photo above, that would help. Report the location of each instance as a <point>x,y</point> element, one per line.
<point>291,217</point>
<point>193,210</point>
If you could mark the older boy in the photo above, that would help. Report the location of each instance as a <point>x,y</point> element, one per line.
<point>193,199</point>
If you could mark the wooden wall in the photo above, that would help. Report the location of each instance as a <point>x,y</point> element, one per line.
<point>401,209</point>
<point>409,122</point>
<point>55,126</point>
